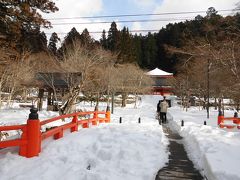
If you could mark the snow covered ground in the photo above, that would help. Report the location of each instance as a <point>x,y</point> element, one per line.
<point>107,152</point>
<point>126,151</point>
<point>213,150</point>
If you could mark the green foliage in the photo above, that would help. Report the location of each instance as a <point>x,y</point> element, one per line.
<point>113,39</point>
<point>86,38</point>
<point>103,40</point>
<point>18,18</point>
<point>52,45</point>
<point>72,37</point>
<point>150,51</point>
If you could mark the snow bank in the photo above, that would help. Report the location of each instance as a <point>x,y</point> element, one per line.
<point>213,150</point>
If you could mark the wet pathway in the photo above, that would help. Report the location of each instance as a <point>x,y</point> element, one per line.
<point>179,166</point>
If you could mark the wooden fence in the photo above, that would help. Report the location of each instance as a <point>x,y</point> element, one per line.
<point>31,138</point>
<point>228,122</point>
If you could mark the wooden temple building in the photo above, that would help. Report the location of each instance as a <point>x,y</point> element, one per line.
<point>161,85</point>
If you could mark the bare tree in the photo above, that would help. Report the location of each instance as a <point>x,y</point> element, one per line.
<point>131,79</point>
<point>85,64</point>
<point>19,73</point>
<point>214,61</point>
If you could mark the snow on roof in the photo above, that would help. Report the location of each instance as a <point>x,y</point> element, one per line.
<point>159,72</point>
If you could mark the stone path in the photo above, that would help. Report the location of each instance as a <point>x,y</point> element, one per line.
<point>179,166</point>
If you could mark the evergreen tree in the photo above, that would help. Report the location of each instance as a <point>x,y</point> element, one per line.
<point>72,37</point>
<point>86,38</point>
<point>33,41</point>
<point>150,51</point>
<point>52,45</point>
<point>137,48</point>
<point>126,50</point>
<point>43,41</point>
<point>211,12</point>
<point>23,16</point>
<point>113,37</point>
<point>103,40</point>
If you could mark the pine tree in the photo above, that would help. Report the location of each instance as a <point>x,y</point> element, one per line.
<point>211,12</point>
<point>103,40</point>
<point>137,48</point>
<point>150,51</point>
<point>19,16</point>
<point>72,37</point>
<point>43,41</point>
<point>126,48</point>
<point>86,39</point>
<point>113,37</point>
<point>33,41</point>
<point>52,45</point>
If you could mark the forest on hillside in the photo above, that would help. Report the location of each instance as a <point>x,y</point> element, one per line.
<point>202,53</point>
<point>148,51</point>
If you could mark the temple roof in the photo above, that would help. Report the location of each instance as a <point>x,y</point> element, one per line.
<point>158,72</point>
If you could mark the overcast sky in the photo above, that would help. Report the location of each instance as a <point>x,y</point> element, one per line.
<point>80,8</point>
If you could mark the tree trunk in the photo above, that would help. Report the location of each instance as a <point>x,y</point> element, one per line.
<point>40,99</point>
<point>215,103</point>
<point>124,98</point>
<point>0,94</point>
<point>135,102</point>
<point>67,106</point>
<point>108,96</point>
<point>219,104</point>
<point>25,94</point>
<point>10,96</point>
<point>97,100</point>
<point>112,102</point>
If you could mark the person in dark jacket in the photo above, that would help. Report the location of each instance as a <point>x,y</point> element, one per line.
<point>158,112</point>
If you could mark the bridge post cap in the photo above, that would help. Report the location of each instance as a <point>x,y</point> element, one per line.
<point>235,114</point>
<point>33,113</point>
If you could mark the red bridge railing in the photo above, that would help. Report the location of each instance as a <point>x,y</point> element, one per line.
<point>31,138</point>
<point>228,122</point>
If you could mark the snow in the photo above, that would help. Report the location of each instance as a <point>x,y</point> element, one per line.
<point>214,151</point>
<point>159,72</point>
<point>106,152</point>
<point>130,150</point>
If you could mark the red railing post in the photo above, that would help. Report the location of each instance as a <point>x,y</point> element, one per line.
<point>33,134</point>
<point>85,125</point>
<point>235,116</point>
<point>74,121</point>
<point>58,135</point>
<point>95,116</point>
<point>220,119</point>
<point>94,121</point>
<point>108,114</point>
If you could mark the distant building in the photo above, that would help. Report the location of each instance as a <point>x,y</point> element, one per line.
<point>161,85</point>
<point>56,85</point>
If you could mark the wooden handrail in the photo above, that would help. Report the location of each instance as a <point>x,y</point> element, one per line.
<point>31,138</point>
<point>235,120</point>
<point>231,118</point>
<point>13,127</point>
